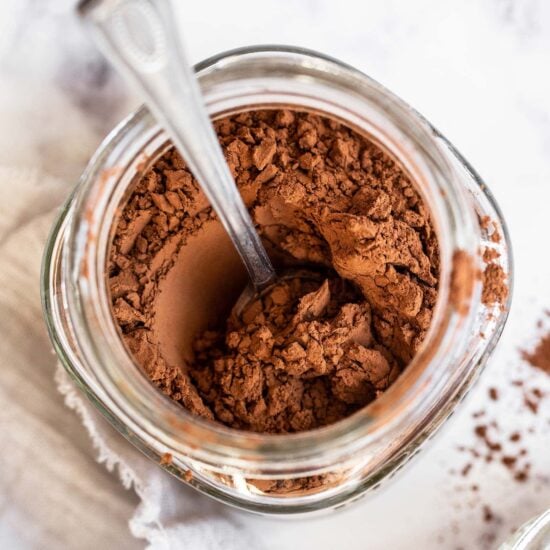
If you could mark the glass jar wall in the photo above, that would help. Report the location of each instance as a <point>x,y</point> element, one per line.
<point>309,470</point>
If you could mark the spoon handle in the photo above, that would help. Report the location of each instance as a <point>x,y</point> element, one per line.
<point>141,38</point>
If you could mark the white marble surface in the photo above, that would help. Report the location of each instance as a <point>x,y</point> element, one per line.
<point>479,70</point>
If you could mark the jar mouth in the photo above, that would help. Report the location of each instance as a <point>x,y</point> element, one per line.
<point>340,92</point>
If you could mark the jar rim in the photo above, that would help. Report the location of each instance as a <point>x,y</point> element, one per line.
<point>180,429</point>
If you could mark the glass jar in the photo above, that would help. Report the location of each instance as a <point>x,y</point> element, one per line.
<point>299,472</point>
<point>532,535</point>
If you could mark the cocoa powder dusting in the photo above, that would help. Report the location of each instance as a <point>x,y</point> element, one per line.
<point>540,356</point>
<point>307,353</point>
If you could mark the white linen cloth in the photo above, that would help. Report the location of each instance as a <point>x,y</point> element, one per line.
<point>52,495</point>
<point>35,438</point>
<point>28,204</point>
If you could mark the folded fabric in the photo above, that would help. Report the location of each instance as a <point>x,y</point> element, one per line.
<point>170,515</point>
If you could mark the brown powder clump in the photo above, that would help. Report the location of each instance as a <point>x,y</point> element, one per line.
<point>306,354</point>
<point>540,356</point>
<point>149,233</point>
<point>299,357</point>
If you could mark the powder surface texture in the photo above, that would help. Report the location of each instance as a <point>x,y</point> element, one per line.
<point>301,356</point>
<point>309,352</point>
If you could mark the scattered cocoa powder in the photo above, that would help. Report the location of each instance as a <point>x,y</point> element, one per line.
<point>493,394</point>
<point>493,440</point>
<point>532,399</point>
<point>496,445</point>
<point>540,356</point>
<point>304,355</point>
<point>488,515</point>
<point>539,359</point>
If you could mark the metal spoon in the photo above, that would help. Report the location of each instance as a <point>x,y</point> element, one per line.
<point>142,39</point>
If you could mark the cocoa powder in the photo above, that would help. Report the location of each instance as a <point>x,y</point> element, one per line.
<point>495,286</point>
<point>308,353</point>
<point>300,357</point>
<point>540,356</point>
<point>494,280</point>
<point>507,446</point>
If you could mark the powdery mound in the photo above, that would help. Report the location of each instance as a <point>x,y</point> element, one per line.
<point>300,357</point>
<point>321,195</point>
